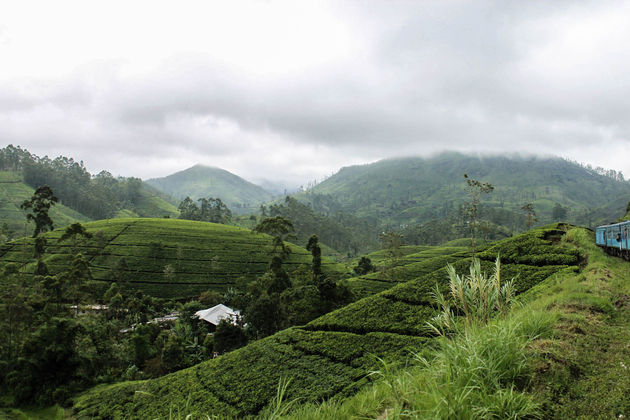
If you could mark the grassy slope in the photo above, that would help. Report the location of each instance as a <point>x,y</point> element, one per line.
<point>13,192</point>
<point>328,357</point>
<point>578,370</point>
<point>204,255</point>
<point>416,189</point>
<point>417,261</point>
<point>151,204</point>
<point>202,181</point>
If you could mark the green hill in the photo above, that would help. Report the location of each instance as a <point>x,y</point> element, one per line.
<point>330,356</point>
<point>416,190</point>
<point>203,256</point>
<point>13,192</point>
<point>205,181</point>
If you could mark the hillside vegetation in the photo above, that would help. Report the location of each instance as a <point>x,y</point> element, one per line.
<point>562,353</point>
<point>89,197</point>
<point>201,181</point>
<point>13,192</point>
<point>201,256</point>
<point>418,190</point>
<point>332,355</point>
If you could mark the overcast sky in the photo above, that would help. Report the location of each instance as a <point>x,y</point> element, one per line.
<point>294,90</point>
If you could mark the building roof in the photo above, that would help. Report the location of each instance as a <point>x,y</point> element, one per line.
<point>215,314</point>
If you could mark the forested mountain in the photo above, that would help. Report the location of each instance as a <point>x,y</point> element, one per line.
<point>200,181</point>
<point>101,196</point>
<point>418,190</point>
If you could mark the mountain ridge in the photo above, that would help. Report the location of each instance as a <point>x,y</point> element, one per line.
<point>209,181</point>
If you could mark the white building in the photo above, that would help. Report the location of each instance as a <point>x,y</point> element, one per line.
<point>215,314</point>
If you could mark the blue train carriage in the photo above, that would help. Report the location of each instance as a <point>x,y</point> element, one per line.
<point>614,239</point>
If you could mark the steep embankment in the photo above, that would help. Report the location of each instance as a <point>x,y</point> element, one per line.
<point>201,256</point>
<point>330,356</point>
<point>204,181</point>
<point>561,353</point>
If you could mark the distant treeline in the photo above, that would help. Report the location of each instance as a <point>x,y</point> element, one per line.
<point>341,231</point>
<point>97,197</point>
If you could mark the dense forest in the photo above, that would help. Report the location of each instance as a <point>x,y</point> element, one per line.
<point>339,230</point>
<point>100,196</point>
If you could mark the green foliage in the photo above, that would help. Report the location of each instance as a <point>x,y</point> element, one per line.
<point>47,369</point>
<point>364,266</point>
<point>332,355</point>
<point>134,252</point>
<point>391,243</point>
<point>212,210</point>
<point>475,296</point>
<point>316,251</point>
<point>74,231</point>
<point>37,209</point>
<point>409,191</point>
<point>202,181</point>
<point>228,337</point>
<point>341,231</point>
<point>530,215</point>
<point>98,197</point>
<point>559,213</point>
<point>280,228</point>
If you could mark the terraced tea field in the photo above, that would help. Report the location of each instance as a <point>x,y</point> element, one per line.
<point>201,255</point>
<point>332,355</point>
<point>417,261</point>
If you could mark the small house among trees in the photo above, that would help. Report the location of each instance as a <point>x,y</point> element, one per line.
<point>215,314</point>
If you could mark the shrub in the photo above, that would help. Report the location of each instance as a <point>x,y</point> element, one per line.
<point>476,296</point>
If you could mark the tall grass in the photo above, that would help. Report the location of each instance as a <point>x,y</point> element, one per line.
<point>476,297</point>
<point>479,370</point>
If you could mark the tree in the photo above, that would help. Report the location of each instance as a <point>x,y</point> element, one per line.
<point>475,189</point>
<point>228,337</point>
<point>74,231</point>
<point>278,227</point>
<point>38,207</point>
<point>214,210</point>
<point>48,364</point>
<point>77,277</point>
<point>188,210</point>
<point>530,215</point>
<point>279,280</point>
<point>265,314</point>
<point>391,242</point>
<point>559,213</point>
<point>364,266</point>
<point>6,233</point>
<point>316,252</point>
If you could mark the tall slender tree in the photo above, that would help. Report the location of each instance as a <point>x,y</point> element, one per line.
<point>475,189</point>
<point>530,215</point>
<point>37,209</point>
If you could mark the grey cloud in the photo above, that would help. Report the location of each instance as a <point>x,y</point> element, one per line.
<point>431,76</point>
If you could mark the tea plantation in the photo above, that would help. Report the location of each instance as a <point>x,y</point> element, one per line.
<point>201,256</point>
<point>332,355</point>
